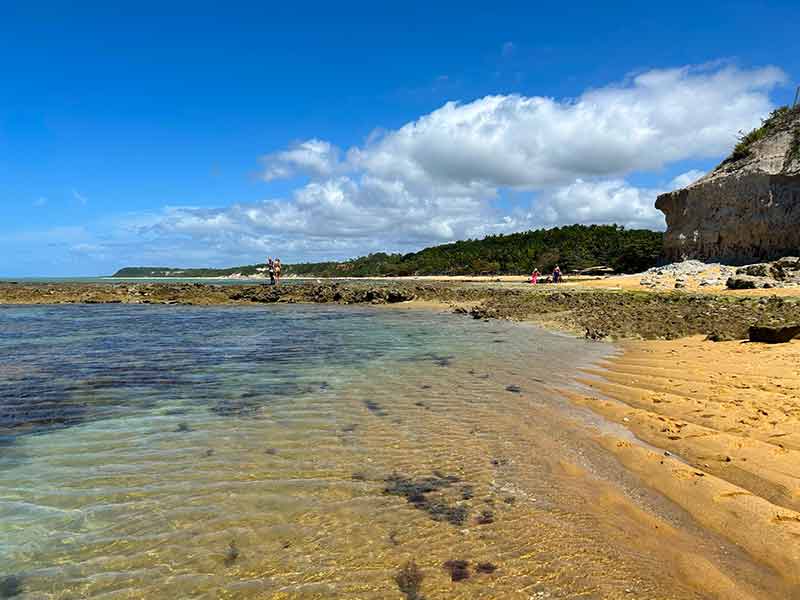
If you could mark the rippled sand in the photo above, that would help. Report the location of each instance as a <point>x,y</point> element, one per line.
<point>315,460</point>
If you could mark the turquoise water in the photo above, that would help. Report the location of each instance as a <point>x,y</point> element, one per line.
<point>299,452</point>
<point>110,280</point>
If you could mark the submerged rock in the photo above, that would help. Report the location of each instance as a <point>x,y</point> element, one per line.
<point>10,586</point>
<point>409,580</point>
<point>232,553</point>
<point>416,492</point>
<point>458,569</point>
<point>486,568</point>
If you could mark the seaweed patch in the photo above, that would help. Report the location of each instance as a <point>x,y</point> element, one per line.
<point>416,492</point>
<point>409,580</point>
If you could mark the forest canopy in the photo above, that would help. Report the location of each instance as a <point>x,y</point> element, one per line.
<point>573,247</point>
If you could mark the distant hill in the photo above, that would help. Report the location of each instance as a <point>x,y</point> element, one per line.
<point>572,247</point>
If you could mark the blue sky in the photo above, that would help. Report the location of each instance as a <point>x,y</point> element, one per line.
<point>189,134</point>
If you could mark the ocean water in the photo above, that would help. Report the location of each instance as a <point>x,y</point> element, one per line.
<point>304,452</point>
<point>112,280</point>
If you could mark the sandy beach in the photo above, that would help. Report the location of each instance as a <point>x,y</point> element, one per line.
<point>723,420</point>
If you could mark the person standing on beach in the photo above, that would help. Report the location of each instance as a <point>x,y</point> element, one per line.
<point>557,274</point>
<point>271,269</point>
<point>535,276</point>
<point>277,270</point>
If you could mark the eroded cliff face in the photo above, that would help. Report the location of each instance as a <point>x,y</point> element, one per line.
<point>748,208</point>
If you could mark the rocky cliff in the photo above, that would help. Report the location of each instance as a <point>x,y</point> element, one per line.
<point>746,209</point>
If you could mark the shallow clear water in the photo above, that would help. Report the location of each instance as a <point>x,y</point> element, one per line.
<point>176,452</point>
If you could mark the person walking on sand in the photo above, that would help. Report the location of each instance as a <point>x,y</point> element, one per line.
<point>271,269</point>
<point>557,274</point>
<point>534,276</point>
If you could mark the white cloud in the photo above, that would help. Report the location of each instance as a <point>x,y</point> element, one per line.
<point>437,178</point>
<point>312,157</point>
<point>657,118</point>
<point>607,201</point>
<point>684,179</point>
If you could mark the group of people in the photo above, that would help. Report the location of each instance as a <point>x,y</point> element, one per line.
<point>535,274</point>
<point>274,270</point>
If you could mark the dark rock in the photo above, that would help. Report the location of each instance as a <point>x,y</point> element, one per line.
<point>773,334</point>
<point>744,282</point>
<point>10,586</point>
<point>788,263</point>
<point>756,270</point>
<point>514,389</point>
<point>374,408</point>
<point>458,569</point>
<point>486,568</point>
<point>231,554</point>
<point>486,517</point>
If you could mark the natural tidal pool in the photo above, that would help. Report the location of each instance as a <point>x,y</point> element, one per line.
<point>309,452</point>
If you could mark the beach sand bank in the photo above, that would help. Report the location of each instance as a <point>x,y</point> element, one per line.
<point>723,423</point>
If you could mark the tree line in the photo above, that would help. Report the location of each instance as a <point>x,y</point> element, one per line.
<point>572,247</point>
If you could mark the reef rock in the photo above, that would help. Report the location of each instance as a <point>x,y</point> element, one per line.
<point>746,208</point>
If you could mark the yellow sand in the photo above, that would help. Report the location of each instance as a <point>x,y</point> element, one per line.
<point>724,423</point>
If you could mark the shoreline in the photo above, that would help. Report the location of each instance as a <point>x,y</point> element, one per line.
<point>597,313</point>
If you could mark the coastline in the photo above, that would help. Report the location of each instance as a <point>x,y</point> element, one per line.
<point>719,421</point>
<point>598,313</point>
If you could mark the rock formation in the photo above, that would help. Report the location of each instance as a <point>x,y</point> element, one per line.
<point>746,209</point>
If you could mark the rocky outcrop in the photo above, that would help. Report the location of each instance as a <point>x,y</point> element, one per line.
<point>746,209</point>
<point>773,334</point>
<point>781,273</point>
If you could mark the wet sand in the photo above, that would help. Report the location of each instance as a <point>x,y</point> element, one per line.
<point>723,420</point>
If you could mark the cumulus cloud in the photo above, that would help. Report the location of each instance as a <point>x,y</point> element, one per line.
<point>437,178</point>
<point>312,157</point>
<point>607,201</point>
<point>528,142</point>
